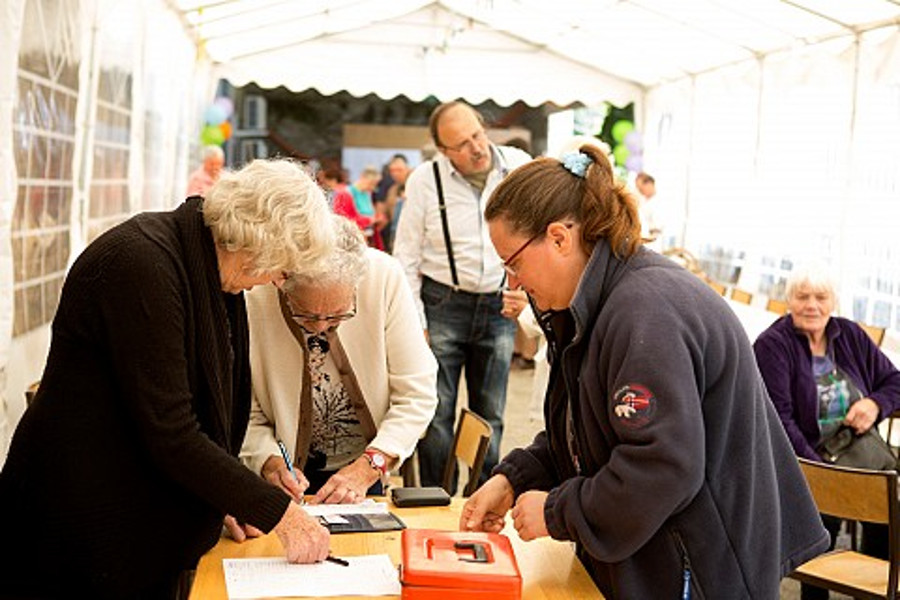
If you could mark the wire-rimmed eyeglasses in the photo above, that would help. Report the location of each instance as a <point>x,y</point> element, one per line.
<point>303,317</point>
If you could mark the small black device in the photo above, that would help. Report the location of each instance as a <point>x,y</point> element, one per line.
<point>419,496</point>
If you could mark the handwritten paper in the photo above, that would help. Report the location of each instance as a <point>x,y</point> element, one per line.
<point>372,575</point>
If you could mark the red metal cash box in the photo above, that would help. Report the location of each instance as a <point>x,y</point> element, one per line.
<point>439,565</point>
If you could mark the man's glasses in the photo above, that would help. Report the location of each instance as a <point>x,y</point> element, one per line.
<point>507,264</point>
<point>469,144</point>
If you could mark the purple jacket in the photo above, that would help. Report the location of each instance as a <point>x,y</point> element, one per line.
<point>785,361</point>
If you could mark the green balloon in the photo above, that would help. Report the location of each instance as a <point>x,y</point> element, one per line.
<point>212,135</point>
<point>621,154</point>
<point>620,129</point>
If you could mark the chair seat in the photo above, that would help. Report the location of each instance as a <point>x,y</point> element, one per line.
<point>857,575</point>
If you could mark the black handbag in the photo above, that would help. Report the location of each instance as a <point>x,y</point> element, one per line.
<point>866,451</point>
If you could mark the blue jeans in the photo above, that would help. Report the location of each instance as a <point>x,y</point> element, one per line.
<point>465,330</point>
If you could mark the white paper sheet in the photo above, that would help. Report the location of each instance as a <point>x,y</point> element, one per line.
<point>372,575</point>
<point>366,507</point>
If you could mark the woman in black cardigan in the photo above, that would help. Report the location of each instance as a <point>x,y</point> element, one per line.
<point>121,471</point>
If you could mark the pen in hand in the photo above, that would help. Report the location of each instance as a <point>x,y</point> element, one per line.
<point>337,561</point>
<point>290,466</point>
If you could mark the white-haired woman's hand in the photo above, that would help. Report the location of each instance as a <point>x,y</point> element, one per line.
<point>304,539</point>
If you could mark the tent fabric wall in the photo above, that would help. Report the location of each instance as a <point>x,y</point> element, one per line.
<point>139,93</point>
<point>11,13</point>
<point>792,159</point>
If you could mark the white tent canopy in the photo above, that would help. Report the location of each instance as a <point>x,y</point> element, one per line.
<point>505,50</point>
<point>772,126</point>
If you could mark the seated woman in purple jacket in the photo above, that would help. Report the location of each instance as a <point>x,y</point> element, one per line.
<point>822,371</point>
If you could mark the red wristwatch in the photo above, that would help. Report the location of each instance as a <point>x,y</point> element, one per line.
<point>377,460</point>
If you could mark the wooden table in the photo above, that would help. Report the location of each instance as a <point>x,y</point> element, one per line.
<point>549,568</point>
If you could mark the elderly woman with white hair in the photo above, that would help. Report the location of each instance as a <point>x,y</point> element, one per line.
<point>823,371</point>
<point>342,375</point>
<point>124,466</point>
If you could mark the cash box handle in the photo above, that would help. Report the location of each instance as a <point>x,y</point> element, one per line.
<point>481,555</point>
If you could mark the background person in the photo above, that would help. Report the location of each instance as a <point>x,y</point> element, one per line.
<point>203,178</point>
<point>373,397</point>
<point>123,467</point>
<point>392,203</point>
<point>355,202</point>
<point>662,457</point>
<point>822,371</point>
<point>457,287</point>
<point>651,224</point>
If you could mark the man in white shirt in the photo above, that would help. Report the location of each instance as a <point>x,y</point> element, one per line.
<point>457,286</point>
<point>651,225</point>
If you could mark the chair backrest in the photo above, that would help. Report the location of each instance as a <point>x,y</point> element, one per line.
<point>30,392</point>
<point>859,495</point>
<point>742,296</point>
<point>718,287</point>
<point>683,258</point>
<point>779,307</point>
<point>473,436</point>
<point>876,333</point>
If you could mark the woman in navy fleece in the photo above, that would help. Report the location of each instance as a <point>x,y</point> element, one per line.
<point>822,371</point>
<point>662,457</point>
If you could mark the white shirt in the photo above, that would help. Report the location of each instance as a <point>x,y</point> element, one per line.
<point>419,243</point>
<point>651,225</point>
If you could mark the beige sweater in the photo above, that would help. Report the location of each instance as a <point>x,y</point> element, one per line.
<point>384,343</point>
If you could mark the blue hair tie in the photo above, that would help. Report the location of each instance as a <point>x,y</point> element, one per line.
<point>576,163</point>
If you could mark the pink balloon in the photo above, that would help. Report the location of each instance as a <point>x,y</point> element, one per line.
<point>633,141</point>
<point>634,163</point>
<point>225,104</point>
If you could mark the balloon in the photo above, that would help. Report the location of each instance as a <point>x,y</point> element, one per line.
<point>634,163</point>
<point>620,129</point>
<point>621,153</point>
<point>225,104</point>
<point>633,141</point>
<point>212,136</point>
<point>225,127</point>
<point>214,115</point>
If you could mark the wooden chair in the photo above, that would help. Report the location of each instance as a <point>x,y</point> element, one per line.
<point>30,392</point>
<point>779,307</point>
<point>856,495</point>
<point>742,296</point>
<point>876,333</point>
<point>718,287</point>
<point>473,436</point>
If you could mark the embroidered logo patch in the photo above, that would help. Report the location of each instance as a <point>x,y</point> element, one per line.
<point>634,405</point>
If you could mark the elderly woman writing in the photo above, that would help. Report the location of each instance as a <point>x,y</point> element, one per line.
<point>122,469</point>
<point>823,371</point>
<point>342,375</point>
<point>661,458</point>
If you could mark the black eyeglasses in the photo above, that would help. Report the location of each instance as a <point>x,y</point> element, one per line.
<point>507,264</point>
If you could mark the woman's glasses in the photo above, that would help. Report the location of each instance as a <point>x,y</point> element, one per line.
<point>310,318</point>
<point>507,264</point>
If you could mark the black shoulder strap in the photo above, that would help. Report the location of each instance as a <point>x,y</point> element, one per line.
<point>443,207</point>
